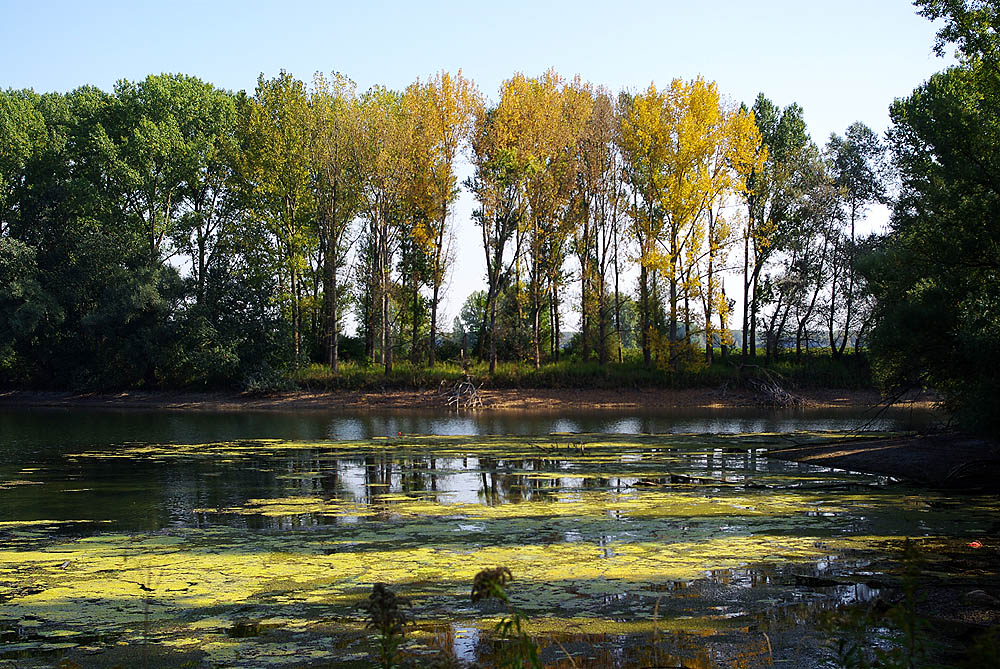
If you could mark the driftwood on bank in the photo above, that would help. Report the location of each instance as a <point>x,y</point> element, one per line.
<point>463,394</point>
<point>767,387</point>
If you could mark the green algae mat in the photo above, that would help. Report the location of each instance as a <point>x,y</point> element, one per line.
<point>696,550</point>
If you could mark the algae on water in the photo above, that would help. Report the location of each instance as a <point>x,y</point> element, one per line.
<point>259,552</point>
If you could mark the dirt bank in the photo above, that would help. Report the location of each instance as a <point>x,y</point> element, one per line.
<point>498,399</point>
<point>948,459</point>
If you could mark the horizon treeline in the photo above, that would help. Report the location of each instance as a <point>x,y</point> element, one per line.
<point>295,205</point>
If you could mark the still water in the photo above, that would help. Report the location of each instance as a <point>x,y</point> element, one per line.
<point>54,428</point>
<point>166,539</point>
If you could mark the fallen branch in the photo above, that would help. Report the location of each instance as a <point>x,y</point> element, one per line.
<point>767,386</point>
<point>464,394</point>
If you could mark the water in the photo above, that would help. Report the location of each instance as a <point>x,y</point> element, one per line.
<point>250,539</point>
<point>53,428</point>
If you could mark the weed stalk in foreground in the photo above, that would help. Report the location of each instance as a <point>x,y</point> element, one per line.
<point>522,651</point>
<point>388,620</point>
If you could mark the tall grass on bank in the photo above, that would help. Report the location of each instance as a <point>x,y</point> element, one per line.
<point>813,371</point>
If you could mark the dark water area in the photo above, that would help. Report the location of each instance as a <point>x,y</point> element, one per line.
<point>47,429</point>
<point>250,539</point>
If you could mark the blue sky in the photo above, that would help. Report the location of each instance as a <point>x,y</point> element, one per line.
<point>842,60</point>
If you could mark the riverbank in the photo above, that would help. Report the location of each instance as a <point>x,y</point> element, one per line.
<point>924,459</point>
<point>503,399</point>
<point>948,459</point>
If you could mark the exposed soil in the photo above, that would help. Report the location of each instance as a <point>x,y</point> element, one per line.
<point>948,459</point>
<point>493,399</point>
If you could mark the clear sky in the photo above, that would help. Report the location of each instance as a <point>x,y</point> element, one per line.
<point>841,60</point>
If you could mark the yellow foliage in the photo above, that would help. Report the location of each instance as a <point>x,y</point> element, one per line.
<point>680,355</point>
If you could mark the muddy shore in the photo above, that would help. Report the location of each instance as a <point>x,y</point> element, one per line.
<point>493,400</point>
<point>949,460</point>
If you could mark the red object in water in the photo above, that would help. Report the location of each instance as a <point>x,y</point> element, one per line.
<point>975,544</point>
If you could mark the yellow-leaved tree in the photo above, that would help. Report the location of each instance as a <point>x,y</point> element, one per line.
<point>445,108</point>
<point>532,126</point>
<point>383,141</point>
<point>736,152</point>
<point>644,129</point>
<point>685,154</point>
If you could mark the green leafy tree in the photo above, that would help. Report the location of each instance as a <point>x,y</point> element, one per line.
<point>770,195</point>
<point>857,165</point>
<point>276,176</point>
<point>936,276</point>
<point>337,186</point>
<point>22,133</point>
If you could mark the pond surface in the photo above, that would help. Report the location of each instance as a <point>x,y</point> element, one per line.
<point>48,429</point>
<point>162,539</point>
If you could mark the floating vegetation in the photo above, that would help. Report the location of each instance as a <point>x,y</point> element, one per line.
<point>264,552</point>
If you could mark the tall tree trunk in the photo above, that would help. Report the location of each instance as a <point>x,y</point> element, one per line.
<point>709,344</point>
<point>647,357</point>
<point>536,309</point>
<point>673,295</point>
<point>415,331</point>
<point>435,290</point>
<point>368,308</point>
<point>584,279</point>
<point>753,316</point>
<point>386,335</point>
<point>328,309</point>
<point>493,336</point>
<point>386,327</point>
<point>618,308</point>
<point>334,338</point>
<point>723,335</point>
<point>432,342</point>
<point>555,323</point>
<point>602,321</point>
<point>850,288</point>
<point>296,325</point>
<point>552,320</point>
<point>746,295</point>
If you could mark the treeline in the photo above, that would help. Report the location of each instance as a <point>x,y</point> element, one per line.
<point>170,233</point>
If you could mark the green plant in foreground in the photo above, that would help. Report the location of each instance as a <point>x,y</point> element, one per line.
<point>521,651</point>
<point>387,619</point>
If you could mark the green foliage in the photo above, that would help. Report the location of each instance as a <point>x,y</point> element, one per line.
<point>936,275</point>
<point>98,190</point>
<point>679,356</point>
<point>24,304</point>
<point>816,370</point>
<point>969,24</point>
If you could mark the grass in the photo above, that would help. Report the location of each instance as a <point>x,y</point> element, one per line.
<point>812,371</point>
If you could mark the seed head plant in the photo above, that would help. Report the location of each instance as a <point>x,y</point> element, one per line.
<point>388,620</point>
<point>519,651</point>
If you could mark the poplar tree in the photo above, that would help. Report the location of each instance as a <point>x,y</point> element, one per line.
<point>496,184</point>
<point>383,137</point>
<point>336,173</point>
<point>447,106</point>
<point>770,194</point>
<point>277,174</point>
